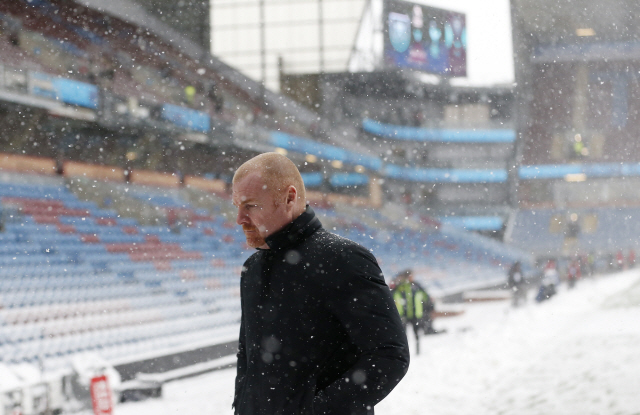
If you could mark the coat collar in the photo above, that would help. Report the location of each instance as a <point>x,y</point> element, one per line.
<point>301,228</point>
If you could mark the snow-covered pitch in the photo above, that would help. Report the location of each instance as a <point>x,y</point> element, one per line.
<point>577,353</point>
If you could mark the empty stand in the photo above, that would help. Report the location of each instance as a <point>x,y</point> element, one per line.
<point>77,275</point>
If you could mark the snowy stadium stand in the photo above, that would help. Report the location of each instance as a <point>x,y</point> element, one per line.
<point>77,277</point>
<point>125,61</point>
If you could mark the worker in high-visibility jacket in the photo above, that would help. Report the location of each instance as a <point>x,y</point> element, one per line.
<point>414,305</point>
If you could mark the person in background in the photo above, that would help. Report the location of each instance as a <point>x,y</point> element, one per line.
<point>591,264</point>
<point>620,260</point>
<point>216,97</point>
<point>414,305</point>
<point>189,95</point>
<point>550,281</point>
<point>517,284</point>
<point>573,273</point>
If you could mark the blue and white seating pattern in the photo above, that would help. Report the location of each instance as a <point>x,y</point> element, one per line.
<point>78,280</point>
<point>64,290</point>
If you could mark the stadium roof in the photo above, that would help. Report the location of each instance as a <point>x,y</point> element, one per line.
<point>540,23</point>
<point>570,21</point>
<point>301,36</point>
<point>134,13</point>
<point>335,36</point>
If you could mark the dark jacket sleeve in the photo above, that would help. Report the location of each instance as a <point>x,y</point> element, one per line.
<point>363,304</point>
<point>242,364</point>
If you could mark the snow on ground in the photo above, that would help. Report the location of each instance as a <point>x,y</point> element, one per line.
<point>575,354</point>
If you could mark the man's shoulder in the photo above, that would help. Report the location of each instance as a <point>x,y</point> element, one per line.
<point>338,245</point>
<point>346,256</point>
<point>253,259</point>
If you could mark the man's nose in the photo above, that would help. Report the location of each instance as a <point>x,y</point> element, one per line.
<point>241,218</point>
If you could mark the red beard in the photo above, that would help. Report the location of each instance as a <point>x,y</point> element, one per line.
<point>254,239</point>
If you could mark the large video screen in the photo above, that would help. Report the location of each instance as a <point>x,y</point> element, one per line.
<point>425,38</point>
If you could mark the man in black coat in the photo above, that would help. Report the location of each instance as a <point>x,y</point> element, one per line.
<point>320,333</point>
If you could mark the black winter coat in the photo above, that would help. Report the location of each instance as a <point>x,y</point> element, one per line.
<point>320,333</point>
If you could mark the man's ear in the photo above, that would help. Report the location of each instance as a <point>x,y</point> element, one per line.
<point>292,196</point>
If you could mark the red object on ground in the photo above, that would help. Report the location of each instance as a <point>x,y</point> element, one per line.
<point>101,396</point>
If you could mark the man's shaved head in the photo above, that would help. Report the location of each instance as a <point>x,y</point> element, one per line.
<point>276,172</point>
<point>269,194</point>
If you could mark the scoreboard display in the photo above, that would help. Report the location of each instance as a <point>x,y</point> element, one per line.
<point>425,39</point>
